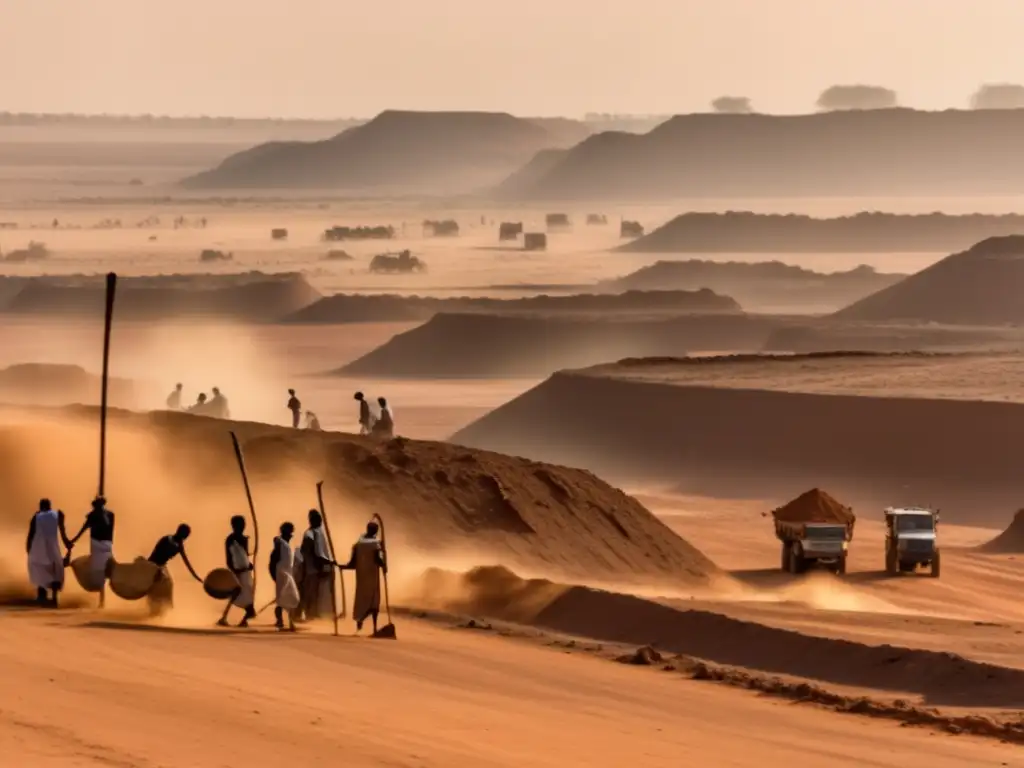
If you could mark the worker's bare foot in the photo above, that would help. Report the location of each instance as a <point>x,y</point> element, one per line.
<point>243,624</point>
<point>223,623</point>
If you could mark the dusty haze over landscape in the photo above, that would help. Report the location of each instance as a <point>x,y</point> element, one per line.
<point>669,301</point>
<point>246,58</point>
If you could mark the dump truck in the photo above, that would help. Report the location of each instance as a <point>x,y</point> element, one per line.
<point>911,540</point>
<point>814,529</point>
<point>805,545</point>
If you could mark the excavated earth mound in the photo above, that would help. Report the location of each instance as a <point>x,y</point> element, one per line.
<point>437,499</point>
<point>1010,541</point>
<point>865,232</point>
<point>979,286</point>
<point>479,345</point>
<point>347,308</point>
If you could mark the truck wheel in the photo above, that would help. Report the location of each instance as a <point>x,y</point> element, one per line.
<point>794,560</point>
<point>841,566</point>
<point>935,566</point>
<point>891,564</point>
<point>785,556</point>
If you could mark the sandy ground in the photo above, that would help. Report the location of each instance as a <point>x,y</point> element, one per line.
<point>87,689</point>
<point>434,698</point>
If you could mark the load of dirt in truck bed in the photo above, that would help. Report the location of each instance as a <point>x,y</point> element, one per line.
<point>1009,541</point>
<point>814,506</point>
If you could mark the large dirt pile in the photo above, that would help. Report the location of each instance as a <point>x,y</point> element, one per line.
<point>438,500</point>
<point>477,345</point>
<point>979,286</point>
<point>348,308</point>
<point>848,153</point>
<point>1010,541</point>
<point>865,232</point>
<point>443,151</point>
<point>253,297</point>
<point>814,506</point>
<point>760,285</point>
<point>737,432</point>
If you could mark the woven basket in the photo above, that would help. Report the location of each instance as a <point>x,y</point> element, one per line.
<point>133,581</point>
<point>220,583</point>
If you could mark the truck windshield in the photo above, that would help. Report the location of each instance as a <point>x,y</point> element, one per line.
<point>915,523</point>
<point>826,532</point>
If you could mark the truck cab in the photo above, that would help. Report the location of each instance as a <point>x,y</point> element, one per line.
<point>911,540</point>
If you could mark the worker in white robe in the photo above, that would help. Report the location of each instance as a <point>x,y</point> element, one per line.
<point>317,570</point>
<point>45,560</point>
<point>282,570</point>
<point>236,550</point>
<point>368,562</point>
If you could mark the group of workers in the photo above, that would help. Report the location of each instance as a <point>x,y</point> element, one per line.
<point>216,406</point>
<point>380,425</point>
<point>303,578</point>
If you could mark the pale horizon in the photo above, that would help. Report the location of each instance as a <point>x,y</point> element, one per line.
<point>301,60</point>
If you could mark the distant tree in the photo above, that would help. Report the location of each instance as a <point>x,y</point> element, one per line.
<point>998,96</point>
<point>732,105</point>
<point>839,97</point>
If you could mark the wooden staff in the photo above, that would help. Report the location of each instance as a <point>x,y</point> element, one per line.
<point>330,545</point>
<point>108,319</point>
<point>252,509</point>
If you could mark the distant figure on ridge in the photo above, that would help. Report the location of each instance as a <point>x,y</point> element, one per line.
<point>365,417</point>
<point>45,561</point>
<point>384,427</point>
<point>312,422</point>
<point>174,399</point>
<point>219,405</point>
<point>200,407</point>
<point>100,523</point>
<point>295,407</point>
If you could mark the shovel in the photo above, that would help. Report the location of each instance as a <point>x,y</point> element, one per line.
<point>388,630</point>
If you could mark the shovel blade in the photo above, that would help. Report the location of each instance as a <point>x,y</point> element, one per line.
<point>386,632</point>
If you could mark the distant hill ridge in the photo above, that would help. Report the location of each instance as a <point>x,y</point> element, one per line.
<point>864,232</point>
<point>862,152</point>
<point>438,151</point>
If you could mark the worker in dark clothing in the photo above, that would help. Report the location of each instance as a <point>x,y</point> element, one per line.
<point>295,407</point>
<point>161,596</point>
<point>365,417</point>
<point>100,524</point>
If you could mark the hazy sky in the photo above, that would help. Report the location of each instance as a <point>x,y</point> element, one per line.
<point>337,58</point>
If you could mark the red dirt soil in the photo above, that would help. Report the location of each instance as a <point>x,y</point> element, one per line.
<point>1010,541</point>
<point>814,506</point>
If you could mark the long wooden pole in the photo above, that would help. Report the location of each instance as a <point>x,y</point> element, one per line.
<point>384,552</point>
<point>108,319</point>
<point>252,509</point>
<point>330,544</point>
